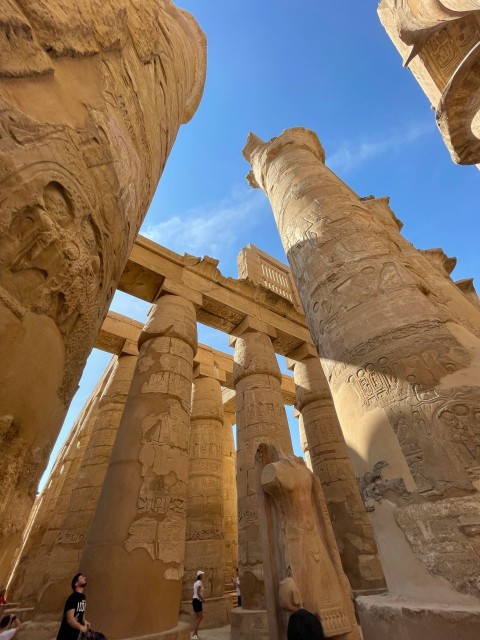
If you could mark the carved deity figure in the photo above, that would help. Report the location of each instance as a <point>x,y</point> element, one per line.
<point>92,96</point>
<point>299,530</point>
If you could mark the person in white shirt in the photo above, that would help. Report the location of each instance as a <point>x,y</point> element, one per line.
<point>236,584</point>
<point>197,603</point>
<point>8,626</point>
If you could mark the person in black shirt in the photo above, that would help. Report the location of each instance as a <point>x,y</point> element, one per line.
<point>73,620</point>
<point>303,625</point>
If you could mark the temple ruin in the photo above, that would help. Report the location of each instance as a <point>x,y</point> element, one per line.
<point>182,456</point>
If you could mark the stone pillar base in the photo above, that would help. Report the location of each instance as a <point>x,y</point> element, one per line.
<point>249,624</point>
<point>49,630</point>
<point>216,612</point>
<point>389,617</point>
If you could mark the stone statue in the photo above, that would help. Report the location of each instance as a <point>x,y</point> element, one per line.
<point>92,96</point>
<point>307,570</point>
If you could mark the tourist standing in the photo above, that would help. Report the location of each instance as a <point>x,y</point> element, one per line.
<point>197,603</point>
<point>73,620</point>
<point>236,584</point>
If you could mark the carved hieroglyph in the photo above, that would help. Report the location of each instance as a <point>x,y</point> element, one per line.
<point>403,370</point>
<point>92,96</point>
<point>64,559</point>
<point>323,440</point>
<point>439,40</point>
<point>230,497</point>
<point>28,580</point>
<point>205,528</point>
<point>260,418</point>
<point>137,537</point>
<point>299,547</point>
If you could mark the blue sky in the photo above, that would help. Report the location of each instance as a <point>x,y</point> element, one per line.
<point>328,66</point>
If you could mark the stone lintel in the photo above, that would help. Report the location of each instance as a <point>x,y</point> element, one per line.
<point>119,334</point>
<point>170,286</point>
<point>225,301</point>
<point>306,350</point>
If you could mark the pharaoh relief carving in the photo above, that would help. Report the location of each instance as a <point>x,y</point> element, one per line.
<point>92,97</point>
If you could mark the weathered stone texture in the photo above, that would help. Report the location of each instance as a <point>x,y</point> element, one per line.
<point>439,40</point>
<point>32,569</point>
<point>260,418</point>
<point>137,537</point>
<point>230,498</point>
<point>93,95</point>
<point>328,453</point>
<point>400,356</point>
<point>205,528</point>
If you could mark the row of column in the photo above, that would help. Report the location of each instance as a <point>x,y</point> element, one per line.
<point>152,497</point>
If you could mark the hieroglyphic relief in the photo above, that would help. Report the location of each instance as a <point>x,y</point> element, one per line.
<point>92,99</point>
<point>399,359</point>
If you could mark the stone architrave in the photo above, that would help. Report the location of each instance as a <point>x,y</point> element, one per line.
<point>322,439</point>
<point>230,498</point>
<point>439,41</point>
<point>261,417</point>
<point>403,371</point>
<point>64,558</point>
<point>92,97</point>
<point>205,528</point>
<point>28,577</point>
<point>137,539</point>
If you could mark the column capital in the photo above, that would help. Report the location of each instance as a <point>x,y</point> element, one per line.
<point>171,316</point>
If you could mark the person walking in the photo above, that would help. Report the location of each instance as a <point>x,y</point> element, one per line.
<point>73,620</point>
<point>197,603</point>
<point>236,584</point>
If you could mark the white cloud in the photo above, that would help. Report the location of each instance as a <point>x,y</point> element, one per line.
<point>351,154</point>
<point>211,228</point>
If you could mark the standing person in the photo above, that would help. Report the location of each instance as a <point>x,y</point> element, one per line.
<point>73,620</point>
<point>236,584</point>
<point>197,603</point>
<point>3,595</point>
<point>8,626</point>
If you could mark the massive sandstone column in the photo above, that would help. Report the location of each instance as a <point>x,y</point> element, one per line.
<point>28,579</point>
<point>230,498</point>
<point>403,370</point>
<point>323,441</point>
<point>64,558</point>
<point>205,530</point>
<point>135,548</point>
<point>261,418</point>
<point>92,96</point>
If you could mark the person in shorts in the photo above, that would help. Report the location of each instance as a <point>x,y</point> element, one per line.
<point>197,603</point>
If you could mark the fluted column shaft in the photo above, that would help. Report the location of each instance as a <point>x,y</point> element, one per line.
<point>261,418</point>
<point>137,537</point>
<point>322,439</point>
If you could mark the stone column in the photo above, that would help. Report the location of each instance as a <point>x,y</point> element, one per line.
<point>205,531</point>
<point>92,100</point>
<point>261,418</point>
<point>28,578</point>
<point>230,498</point>
<point>323,442</point>
<point>137,539</point>
<point>64,558</point>
<point>403,372</point>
